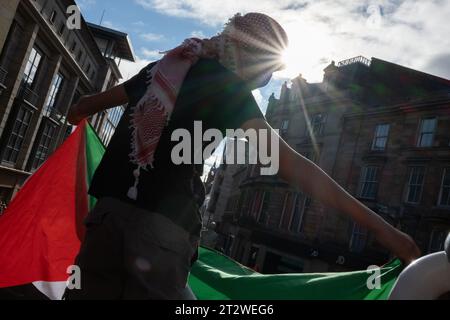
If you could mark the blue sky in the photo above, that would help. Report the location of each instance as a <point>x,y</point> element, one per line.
<point>151,31</point>
<point>413,33</point>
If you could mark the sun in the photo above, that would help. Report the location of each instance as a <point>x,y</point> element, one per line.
<point>290,61</point>
<point>307,46</point>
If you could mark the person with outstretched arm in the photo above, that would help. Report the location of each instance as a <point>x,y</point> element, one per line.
<point>143,234</point>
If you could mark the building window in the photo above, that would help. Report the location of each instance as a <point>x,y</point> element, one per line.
<point>61,28</point>
<point>368,185</point>
<point>44,143</point>
<point>426,134</point>
<point>255,208</point>
<point>286,211</point>
<point>415,184</point>
<point>263,216</point>
<point>17,135</point>
<point>241,204</point>
<point>437,240</point>
<point>297,214</point>
<point>284,127</point>
<point>444,194</point>
<point>79,55</point>
<point>381,137</point>
<point>52,17</point>
<point>53,93</point>
<point>73,47</point>
<point>112,120</point>
<point>32,66</point>
<point>358,238</point>
<point>317,123</point>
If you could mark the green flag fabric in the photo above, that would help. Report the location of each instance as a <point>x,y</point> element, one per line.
<point>217,277</point>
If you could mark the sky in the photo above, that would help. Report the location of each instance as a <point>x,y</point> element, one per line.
<point>413,33</point>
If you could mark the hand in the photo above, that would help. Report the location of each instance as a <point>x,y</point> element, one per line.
<point>399,243</point>
<point>74,115</point>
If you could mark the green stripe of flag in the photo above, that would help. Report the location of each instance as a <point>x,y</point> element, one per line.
<point>94,153</point>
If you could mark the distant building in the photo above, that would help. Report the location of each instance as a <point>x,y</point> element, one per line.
<point>383,132</point>
<point>44,68</point>
<point>218,189</point>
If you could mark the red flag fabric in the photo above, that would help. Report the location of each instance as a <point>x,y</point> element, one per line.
<point>41,229</point>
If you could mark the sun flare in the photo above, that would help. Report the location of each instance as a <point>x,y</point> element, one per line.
<point>306,53</point>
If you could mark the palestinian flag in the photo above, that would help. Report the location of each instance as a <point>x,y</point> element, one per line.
<point>41,229</point>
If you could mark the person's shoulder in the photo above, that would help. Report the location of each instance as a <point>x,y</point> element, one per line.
<point>213,65</point>
<point>217,72</point>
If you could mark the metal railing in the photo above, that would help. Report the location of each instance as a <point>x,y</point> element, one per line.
<point>358,59</point>
<point>3,74</point>
<point>27,94</point>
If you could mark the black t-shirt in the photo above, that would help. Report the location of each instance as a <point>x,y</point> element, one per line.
<point>210,93</point>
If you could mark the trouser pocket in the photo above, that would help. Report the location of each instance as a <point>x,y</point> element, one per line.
<point>158,258</point>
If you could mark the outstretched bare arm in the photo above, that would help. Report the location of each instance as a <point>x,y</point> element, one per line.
<point>89,105</point>
<point>304,174</point>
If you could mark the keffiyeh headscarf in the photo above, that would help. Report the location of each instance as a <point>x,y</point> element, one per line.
<point>246,42</point>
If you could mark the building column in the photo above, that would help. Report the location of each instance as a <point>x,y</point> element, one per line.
<point>21,57</point>
<point>65,105</point>
<point>261,257</point>
<point>246,255</point>
<point>46,79</point>
<point>7,12</point>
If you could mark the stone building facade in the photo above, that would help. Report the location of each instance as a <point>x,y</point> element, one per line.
<point>44,68</point>
<point>382,131</point>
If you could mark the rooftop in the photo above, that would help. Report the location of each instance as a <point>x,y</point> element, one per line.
<point>124,48</point>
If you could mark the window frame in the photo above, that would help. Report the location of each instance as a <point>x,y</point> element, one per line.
<point>441,189</point>
<point>438,231</point>
<point>312,124</point>
<point>43,143</point>
<point>361,234</point>
<point>408,185</point>
<point>301,212</point>
<point>27,75</point>
<point>421,133</point>
<point>263,210</point>
<point>52,17</point>
<point>54,92</point>
<point>363,181</point>
<point>17,135</point>
<point>376,137</point>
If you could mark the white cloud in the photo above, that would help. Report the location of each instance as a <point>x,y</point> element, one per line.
<point>198,34</point>
<point>129,69</point>
<point>151,36</point>
<point>146,56</point>
<point>412,33</point>
<point>110,24</point>
<point>151,54</point>
<point>138,24</point>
